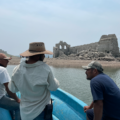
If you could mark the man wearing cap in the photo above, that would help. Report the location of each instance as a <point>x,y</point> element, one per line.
<point>34,79</point>
<point>6,102</point>
<point>106,94</point>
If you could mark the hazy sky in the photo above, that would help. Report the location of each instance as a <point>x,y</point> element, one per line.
<point>76,22</point>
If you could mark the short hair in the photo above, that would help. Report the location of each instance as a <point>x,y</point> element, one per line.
<point>100,72</point>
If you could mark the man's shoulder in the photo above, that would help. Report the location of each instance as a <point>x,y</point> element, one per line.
<point>101,79</point>
<point>46,66</point>
<point>16,68</point>
<point>4,75</point>
<point>3,69</point>
<point>99,76</point>
<point>44,63</point>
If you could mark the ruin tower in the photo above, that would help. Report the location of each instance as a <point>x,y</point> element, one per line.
<point>109,44</point>
<point>61,46</point>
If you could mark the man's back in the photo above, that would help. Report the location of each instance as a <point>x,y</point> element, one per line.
<point>34,81</point>
<point>6,102</point>
<point>104,88</point>
<point>4,77</point>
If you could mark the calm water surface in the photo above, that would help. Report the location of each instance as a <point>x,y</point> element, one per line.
<point>73,80</point>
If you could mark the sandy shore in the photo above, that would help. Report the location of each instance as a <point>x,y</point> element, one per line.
<point>78,63</point>
<point>14,61</point>
<point>69,63</point>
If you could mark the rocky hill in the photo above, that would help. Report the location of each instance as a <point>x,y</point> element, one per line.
<point>5,52</point>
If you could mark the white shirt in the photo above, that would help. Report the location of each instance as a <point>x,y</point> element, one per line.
<point>34,81</point>
<point>4,78</point>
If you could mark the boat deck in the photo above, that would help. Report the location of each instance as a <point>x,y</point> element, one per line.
<point>65,107</point>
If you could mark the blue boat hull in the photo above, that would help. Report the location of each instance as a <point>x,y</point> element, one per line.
<point>65,107</point>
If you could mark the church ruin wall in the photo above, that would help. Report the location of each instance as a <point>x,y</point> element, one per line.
<point>107,43</point>
<point>84,47</point>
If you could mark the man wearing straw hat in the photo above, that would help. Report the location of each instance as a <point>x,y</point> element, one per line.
<point>6,102</point>
<point>34,79</point>
<point>106,94</point>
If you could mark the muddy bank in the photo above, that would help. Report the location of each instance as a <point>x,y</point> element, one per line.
<point>79,63</point>
<point>14,61</point>
<point>69,63</point>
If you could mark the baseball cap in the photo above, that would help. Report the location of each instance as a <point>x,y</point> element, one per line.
<point>95,65</point>
<point>3,56</point>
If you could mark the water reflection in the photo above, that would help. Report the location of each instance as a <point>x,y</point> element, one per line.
<point>73,80</point>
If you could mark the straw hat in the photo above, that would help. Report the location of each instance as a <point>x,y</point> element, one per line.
<point>36,48</point>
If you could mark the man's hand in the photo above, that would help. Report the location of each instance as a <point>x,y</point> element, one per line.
<point>18,100</point>
<point>86,108</point>
<point>12,95</point>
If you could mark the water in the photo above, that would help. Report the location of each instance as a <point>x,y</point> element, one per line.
<point>73,80</point>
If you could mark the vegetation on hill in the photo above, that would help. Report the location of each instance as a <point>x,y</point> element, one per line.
<point>9,55</point>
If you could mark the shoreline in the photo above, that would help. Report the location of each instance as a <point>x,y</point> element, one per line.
<point>14,60</point>
<point>79,63</point>
<point>69,63</point>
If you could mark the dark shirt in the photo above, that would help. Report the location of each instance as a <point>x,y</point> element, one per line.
<point>104,88</point>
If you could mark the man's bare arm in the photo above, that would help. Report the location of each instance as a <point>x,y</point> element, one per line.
<point>98,109</point>
<point>13,95</point>
<point>88,107</point>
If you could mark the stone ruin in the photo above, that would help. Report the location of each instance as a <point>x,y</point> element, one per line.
<point>109,44</point>
<point>105,49</point>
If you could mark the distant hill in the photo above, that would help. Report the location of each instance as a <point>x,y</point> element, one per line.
<point>2,51</point>
<point>5,52</point>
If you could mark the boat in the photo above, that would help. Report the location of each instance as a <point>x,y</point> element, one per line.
<point>65,107</point>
